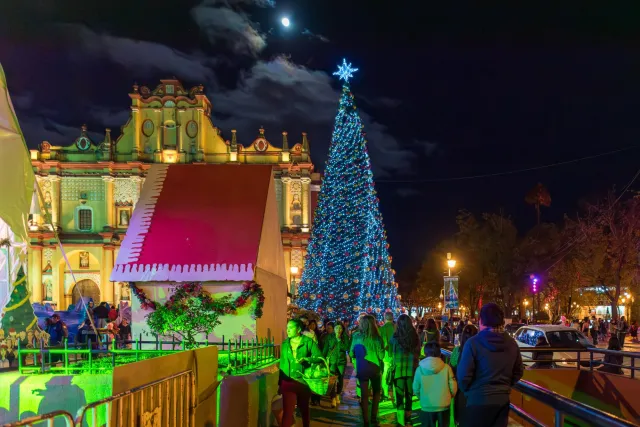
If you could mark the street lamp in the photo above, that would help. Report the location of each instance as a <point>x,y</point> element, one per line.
<point>294,272</point>
<point>451,263</point>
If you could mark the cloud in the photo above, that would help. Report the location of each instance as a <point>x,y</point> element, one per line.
<point>279,94</point>
<point>142,57</point>
<point>308,33</point>
<point>229,26</point>
<point>22,100</point>
<point>259,3</point>
<point>37,128</point>
<point>428,147</point>
<point>108,117</point>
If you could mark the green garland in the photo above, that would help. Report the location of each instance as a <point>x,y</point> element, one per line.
<point>250,290</point>
<point>191,310</point>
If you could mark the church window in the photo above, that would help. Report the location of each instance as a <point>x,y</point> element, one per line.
<point>84,218</point>
<point>169,89</point>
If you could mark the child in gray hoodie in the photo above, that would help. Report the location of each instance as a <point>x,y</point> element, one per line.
<point>435,385</point>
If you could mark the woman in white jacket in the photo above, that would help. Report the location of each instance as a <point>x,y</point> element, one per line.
<point>435,385</point>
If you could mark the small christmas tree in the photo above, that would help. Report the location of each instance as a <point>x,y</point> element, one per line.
<point>348,267</point>
<point>18,315</point>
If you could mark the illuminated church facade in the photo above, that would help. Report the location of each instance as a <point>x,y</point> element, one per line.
<point>90,188</point>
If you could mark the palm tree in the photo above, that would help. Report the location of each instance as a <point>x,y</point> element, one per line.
<point>538,196</point>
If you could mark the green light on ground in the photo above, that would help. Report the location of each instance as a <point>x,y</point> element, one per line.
<point>24,396</point>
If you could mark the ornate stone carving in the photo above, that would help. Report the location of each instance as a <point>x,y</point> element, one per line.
<point>47,254</point>
<point>296,187</point>
<point>91,188</point>
<point>125,192</point>
<point>296,258</point>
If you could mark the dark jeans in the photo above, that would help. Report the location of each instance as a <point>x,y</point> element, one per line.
<point>594,336</point>
<point>621,337</point>
<point>339,371</point>
<point>294,393</point>
<point>369,374</point>
<point>459,406</point>
<point>486,416</point>
<point>404,393</point>
<point>429,419</point>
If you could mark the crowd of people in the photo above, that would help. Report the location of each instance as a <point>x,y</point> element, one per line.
<point>104,318</point>
<point>398,361</point>
<point>601,330</point>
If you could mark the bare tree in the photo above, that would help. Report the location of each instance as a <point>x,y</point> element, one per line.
<point>609,244</point>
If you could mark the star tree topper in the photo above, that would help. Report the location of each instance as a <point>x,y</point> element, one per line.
<point>345,71</point>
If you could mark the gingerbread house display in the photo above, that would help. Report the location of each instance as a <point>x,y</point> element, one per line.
<point>216,225</point>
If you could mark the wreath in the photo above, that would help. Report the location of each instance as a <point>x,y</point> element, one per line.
<point>191,310</point>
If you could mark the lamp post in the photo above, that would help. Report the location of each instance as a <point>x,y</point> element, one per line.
<point>294,272</point>
<point>526,303</point>
<point>451,263</point>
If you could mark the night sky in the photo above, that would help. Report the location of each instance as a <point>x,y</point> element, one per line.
<point>444,94</point>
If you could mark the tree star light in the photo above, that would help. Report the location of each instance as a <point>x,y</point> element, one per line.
<point>345,71</point>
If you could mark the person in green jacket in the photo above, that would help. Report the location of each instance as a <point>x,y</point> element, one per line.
<point>335,350</point>
<point>386,331</point>
<point>297,354</point>
<point>367,348</point>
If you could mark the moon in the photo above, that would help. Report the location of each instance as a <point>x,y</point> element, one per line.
<point>285,22</point>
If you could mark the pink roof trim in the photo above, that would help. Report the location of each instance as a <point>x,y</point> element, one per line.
<point>196,223</point>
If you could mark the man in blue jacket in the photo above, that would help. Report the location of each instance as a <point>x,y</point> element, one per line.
<point>489,366</point>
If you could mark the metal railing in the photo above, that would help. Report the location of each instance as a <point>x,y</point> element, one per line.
<point>50,418</point>
<point>252,355</point>
<point>104,356</point>
<point>589,362</point>
<point>562,406</point>
<point>167,402</point>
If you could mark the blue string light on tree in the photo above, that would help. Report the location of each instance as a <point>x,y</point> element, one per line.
<point>348,267</point>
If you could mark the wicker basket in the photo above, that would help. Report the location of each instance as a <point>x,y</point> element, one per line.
<point>322,386</point>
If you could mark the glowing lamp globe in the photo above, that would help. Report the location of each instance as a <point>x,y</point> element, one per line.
<point>285,22</point>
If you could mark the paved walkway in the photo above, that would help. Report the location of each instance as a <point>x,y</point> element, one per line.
<point>348,413</point>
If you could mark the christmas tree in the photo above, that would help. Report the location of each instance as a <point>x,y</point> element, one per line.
<point>18,315</point>
<point>347,266</point>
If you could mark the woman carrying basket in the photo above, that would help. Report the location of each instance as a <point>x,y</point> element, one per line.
<point>335,350</point>
<point>298,352</point>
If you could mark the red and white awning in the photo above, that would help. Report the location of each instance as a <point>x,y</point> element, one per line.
<point>196,223</point>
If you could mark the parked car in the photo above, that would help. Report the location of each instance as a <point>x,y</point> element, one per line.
<point>512,328</point>
<point>557,337</point>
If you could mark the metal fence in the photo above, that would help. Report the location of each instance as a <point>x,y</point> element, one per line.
<point>104,356</point>
<point>562,406</point>
<point>587,358</point>
<point>49,418</point>
<point>167,402</point>
<point>251,354</point>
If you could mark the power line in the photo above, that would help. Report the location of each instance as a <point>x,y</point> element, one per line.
<point>487,175</point>
<point>579,239</point>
